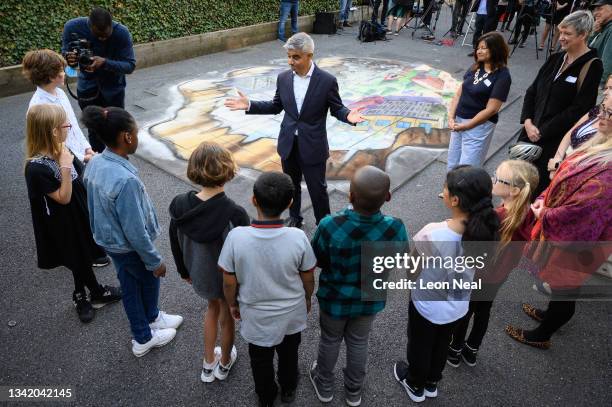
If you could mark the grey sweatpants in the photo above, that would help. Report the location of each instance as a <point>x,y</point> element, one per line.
<point>355,332</point>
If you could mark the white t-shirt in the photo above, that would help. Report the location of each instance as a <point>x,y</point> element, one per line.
<point>441,306</point>
<point>267,262</point>
<point>76,141</point>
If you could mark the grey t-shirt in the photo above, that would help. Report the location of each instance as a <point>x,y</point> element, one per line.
<point>267,262</point>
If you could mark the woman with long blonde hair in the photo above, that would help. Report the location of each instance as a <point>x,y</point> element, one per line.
<point>59,208</point>
<point>577,208</point>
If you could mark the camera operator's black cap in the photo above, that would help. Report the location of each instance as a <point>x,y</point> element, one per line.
<point>598,3</point>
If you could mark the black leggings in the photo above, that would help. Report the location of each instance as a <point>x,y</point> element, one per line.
<point>481,310</point>
<point>84,277</point>
<point>558,314</point>
<point>526,19</point>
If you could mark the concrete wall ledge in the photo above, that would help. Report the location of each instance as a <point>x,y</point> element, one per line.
<point>150,54</point>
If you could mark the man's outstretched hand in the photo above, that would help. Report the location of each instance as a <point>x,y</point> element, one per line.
<point>355,116</point>
<point>239,103</point>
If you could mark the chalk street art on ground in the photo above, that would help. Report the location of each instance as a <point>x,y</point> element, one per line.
<point>405,106</point>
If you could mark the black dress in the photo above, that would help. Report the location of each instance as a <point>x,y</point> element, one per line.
<point>62,232</point>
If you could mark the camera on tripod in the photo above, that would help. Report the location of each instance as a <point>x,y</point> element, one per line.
<point>82,49</point>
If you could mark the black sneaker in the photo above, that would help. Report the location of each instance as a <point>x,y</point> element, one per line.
<point>288,395</point>
<point>400,371</point>
<point>431,389</point>
<point>471,54</point>
<point>266,403</point>
<point>101,261</point>
<point>83,307</point>
<point>110,294</point>
<point>453,358</point>
<point>468,354</point>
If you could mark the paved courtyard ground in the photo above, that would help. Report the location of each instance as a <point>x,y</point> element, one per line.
<point>44,344</point>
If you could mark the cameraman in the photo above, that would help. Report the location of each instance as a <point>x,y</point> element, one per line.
<point>101,75</point>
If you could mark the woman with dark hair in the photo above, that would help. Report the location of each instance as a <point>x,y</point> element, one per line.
<point>472,113</point>
<point>124,222</point>
<point>433,313</point>
<point>564,90</point>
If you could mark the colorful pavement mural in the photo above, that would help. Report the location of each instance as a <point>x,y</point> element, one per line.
<point>405,104</point>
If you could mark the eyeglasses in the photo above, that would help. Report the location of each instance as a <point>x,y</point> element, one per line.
<point>66,126</point>
<point>496,180</point>
<point>604,113</point>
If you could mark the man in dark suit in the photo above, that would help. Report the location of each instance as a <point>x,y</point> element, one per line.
<point>305,93</point>
<point>485,10</point>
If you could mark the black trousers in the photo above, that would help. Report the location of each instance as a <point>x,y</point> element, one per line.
<point>479,28</point>
<point>383,14</point>
<point>427,348</point>
<point>559,312</point>
<point>314,175</point>
<point>116,101</point>
<point>510,11</point>
<point>460,11</point>
<point>428,10</point>
<point>262,366</point>
<point>84,277</point>
<point>524,21</point>
<point>480,309</point>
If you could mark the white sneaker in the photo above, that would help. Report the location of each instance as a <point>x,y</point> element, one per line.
<point>164,321</point>
<point>221,371</point>
<point>207,375</point>
<point>159,337</point>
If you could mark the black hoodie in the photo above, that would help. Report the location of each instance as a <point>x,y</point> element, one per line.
<point>198,229</point>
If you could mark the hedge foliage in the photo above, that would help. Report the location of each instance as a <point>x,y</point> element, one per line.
<point>34,24</point>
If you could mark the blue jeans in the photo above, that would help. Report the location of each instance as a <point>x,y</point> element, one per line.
<point>469,146</point>
<point>140,293</point>
<point>345,8</point>
<point>285,9</point>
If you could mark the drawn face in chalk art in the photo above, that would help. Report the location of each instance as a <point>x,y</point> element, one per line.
<point>404,104</point>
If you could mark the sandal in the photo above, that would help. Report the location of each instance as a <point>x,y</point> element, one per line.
<point>532,312</point>
<point>518,335</point>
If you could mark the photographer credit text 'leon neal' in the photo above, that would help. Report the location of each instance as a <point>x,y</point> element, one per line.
<point>102,50</point>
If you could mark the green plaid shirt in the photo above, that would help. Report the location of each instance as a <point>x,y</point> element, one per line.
<point>337,245</point>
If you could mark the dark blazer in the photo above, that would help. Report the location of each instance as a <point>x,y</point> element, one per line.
<point>491,7</point>
<point>554,106</point>
<point>310,123</point>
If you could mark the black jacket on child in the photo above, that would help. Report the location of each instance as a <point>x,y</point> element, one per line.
<point>197,232</point>
<point>555,105</point>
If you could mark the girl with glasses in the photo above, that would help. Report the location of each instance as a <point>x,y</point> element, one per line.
<point>59,208</point>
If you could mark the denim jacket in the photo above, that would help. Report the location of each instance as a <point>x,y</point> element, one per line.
<point>121,215</point>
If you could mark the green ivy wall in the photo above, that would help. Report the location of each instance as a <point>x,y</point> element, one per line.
<point>34,24</point>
